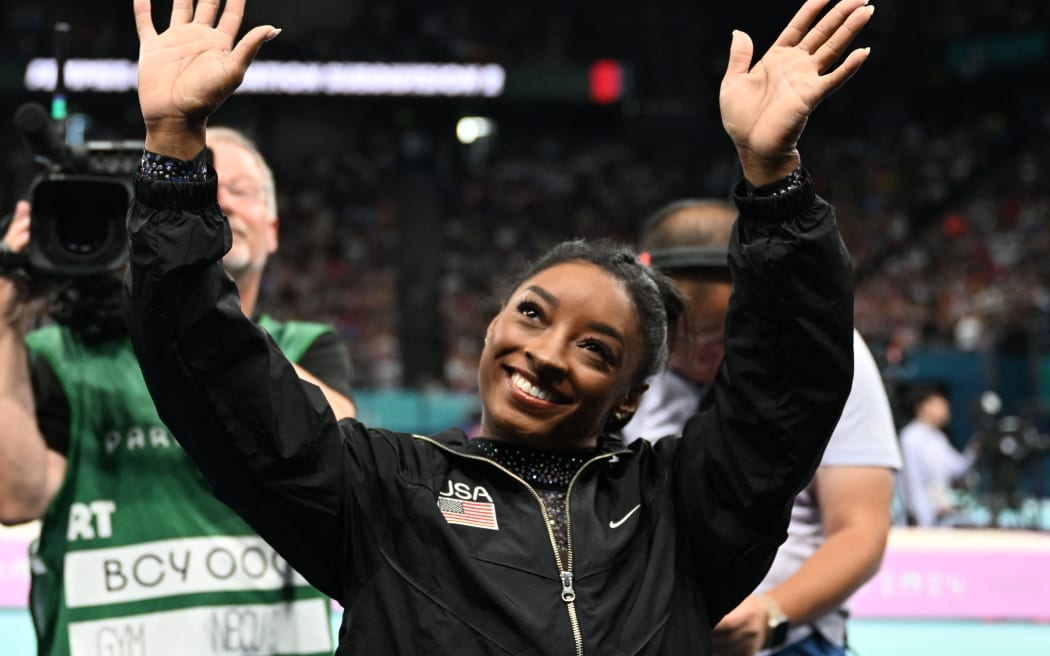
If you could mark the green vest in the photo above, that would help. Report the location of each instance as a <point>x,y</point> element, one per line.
<point>135,556</point>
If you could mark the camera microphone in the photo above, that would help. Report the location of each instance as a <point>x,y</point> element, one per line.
<point>35,127</point>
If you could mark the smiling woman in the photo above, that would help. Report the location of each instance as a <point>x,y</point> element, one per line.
<point>567,356</point>
<point>545,535</point>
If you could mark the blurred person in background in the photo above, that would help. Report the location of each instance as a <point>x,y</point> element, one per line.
<point>841,520</point>
<point>132,541</point>
<point>545,535</point>
<point>932,466</point>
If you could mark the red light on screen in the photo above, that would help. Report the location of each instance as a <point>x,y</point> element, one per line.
<point>606,81</point>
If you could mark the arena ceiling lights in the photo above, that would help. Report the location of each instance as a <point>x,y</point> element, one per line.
<point>295,78</point>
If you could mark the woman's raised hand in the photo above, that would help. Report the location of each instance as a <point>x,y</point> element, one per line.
<point>765,106</point>
<point>189,69</point>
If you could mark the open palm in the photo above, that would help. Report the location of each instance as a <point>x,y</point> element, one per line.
<point>188,70</point>
<point>765,107</point>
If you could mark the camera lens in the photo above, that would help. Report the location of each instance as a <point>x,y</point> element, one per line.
<point>83,235</point>
<point>78,224</point>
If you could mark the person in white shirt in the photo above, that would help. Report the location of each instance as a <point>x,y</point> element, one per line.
<point>931,463</point>
<point>840,522</point>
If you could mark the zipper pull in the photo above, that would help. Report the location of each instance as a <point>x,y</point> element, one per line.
<point>567,593</point>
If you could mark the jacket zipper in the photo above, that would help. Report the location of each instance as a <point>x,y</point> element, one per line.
<point>568,593</point>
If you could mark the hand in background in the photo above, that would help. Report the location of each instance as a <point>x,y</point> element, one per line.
<point>743,631</point>
<point>12,303</point>
<point>17,236</point>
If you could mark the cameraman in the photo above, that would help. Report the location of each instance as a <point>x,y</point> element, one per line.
<point>133,547</point>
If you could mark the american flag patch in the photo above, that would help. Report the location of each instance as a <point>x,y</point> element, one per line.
<point>469,513</point>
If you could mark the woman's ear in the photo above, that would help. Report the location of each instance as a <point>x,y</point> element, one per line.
<point>490,328</point>
<point>633,398</point>
<point>623,413</point>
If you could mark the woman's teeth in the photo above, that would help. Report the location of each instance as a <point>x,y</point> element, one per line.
<point>525,386</point>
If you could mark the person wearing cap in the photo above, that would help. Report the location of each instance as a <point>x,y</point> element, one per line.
<point>840,522</point>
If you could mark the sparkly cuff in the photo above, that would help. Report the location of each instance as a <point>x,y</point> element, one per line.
<point>785,198</point>
<point>785,185</point>
<point>169,183</point>
<point>154,166</point>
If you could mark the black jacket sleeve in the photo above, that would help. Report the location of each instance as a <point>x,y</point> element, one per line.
<point>763,426</point>
<point>267,443</point>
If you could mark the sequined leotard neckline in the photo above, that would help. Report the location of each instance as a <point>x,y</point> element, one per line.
<point>548,473</point>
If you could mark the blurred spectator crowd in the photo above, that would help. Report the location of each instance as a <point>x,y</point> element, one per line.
<point>945,211</point>
<point>948,232</point>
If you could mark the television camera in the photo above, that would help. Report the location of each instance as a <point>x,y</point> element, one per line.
<point>1011,449</point>
<point>79,202</point>
<point>80,197</point>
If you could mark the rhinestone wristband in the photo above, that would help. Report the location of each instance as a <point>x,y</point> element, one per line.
<point>781,187</point>
<point>155,166</point>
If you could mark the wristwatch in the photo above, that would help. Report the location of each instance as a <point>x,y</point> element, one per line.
<point>777,623</point>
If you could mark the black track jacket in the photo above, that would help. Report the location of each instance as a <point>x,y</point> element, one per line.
<point>436,550</point>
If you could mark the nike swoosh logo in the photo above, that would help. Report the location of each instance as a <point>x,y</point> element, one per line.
<point>617,524</point>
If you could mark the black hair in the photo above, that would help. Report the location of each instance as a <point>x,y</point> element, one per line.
<point>92,307</point>
<point>655,296</point>
<point>658,231</point>
<point>918,393</point>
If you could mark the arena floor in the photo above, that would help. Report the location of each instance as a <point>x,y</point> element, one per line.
<point>868,637</point>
